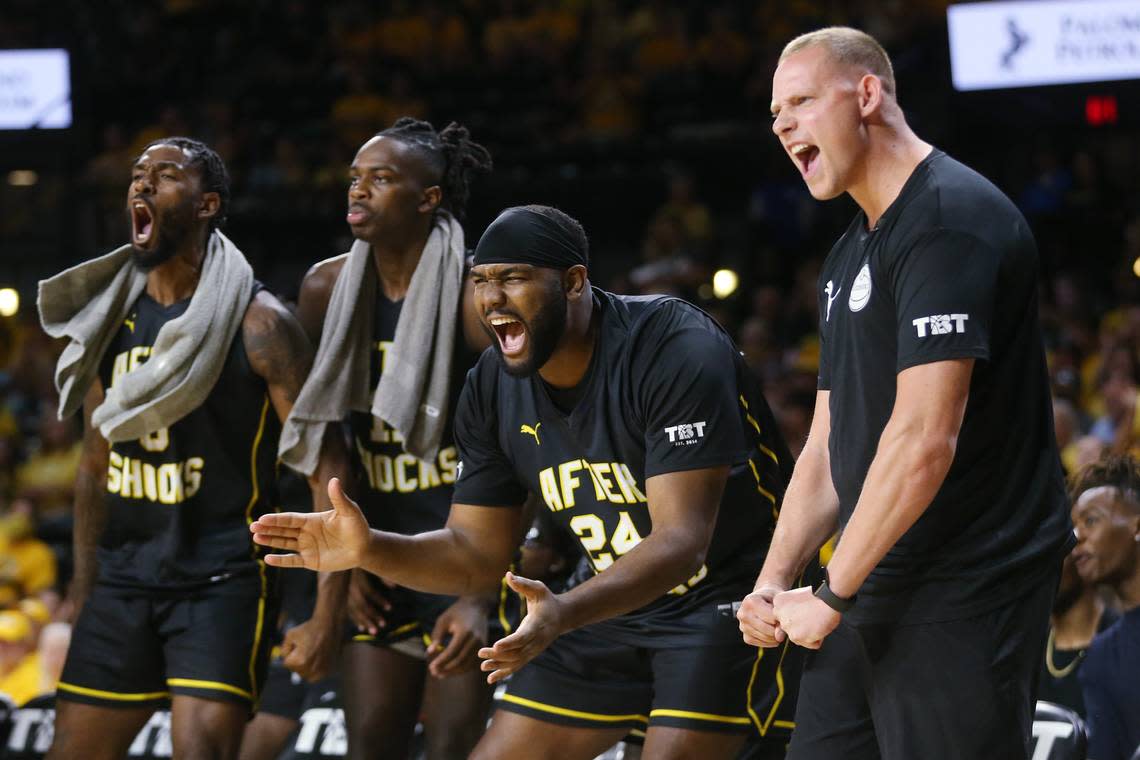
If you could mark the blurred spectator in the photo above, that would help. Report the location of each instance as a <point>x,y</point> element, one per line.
<point>722,50</point>
<point>19,665</point>
<point>1066,425</point>
<point>1106,513</point>
<point>666,49</point>
<point>47,477</point>
<point>608,99</point>
<point>683,205</point>
<point>671,265</point>
<point>27,565</point>
<point>1119,427</point>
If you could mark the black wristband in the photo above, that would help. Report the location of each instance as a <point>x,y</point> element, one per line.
<point>828,597</point>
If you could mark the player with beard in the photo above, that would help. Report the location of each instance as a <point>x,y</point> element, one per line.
<point>400,182</point>
<point>635,420</point>
<point>172,596</point>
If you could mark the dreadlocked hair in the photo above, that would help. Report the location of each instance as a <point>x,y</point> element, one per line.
<point>453,157</point>
<point>1119,471</point>
<point>211,168</point>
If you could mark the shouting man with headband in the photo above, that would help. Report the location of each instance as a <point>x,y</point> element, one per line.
<point>636,423</point>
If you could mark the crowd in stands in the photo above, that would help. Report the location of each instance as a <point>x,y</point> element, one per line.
<point>647,120</point>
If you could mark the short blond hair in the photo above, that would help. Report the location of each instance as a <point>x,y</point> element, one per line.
<point>848,47</point>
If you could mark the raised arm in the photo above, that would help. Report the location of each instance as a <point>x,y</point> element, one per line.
<point>90,502</point>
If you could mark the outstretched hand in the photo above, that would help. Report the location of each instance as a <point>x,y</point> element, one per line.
<point>541,626</point>
<point>335,539</point>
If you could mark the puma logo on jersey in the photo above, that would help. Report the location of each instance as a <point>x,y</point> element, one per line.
<point>532,431</point>
<point>130,322</point>
<point>687,434</point>
<point>940,324</point>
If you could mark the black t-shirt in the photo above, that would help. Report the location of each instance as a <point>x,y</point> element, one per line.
<point>667,392</point>
<point>399,492</point>
<point>949,272</point>
<point>180,500</point>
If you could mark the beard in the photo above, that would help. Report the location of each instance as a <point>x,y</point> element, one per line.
<point>544,331</point>
<point>177,225</point>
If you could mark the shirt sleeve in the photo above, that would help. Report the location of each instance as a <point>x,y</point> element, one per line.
<point>944,287</point>
<point>690,402</point>
<point>486,477</point>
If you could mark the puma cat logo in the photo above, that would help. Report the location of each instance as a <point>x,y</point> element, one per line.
<point>532,431</point>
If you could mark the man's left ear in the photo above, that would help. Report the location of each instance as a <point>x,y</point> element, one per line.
<point>870,94</point>
<point>211,202</point>
<point>432,197</point>
<point>575,281</point>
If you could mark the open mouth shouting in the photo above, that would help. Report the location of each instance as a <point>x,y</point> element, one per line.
<point>806,156</point>
<point>511,333</point>
<point>142,224</point>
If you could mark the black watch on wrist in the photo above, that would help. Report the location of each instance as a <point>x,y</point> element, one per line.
<point>828,597</point>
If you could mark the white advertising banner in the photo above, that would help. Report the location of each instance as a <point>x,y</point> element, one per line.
<point>35,89</point>
<point>1040,42</point>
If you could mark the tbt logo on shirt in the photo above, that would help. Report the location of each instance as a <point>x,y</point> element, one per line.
<point>687,434</point>
<point>940,324</point>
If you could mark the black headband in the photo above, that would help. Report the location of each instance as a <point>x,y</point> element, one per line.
<point>522,236</point>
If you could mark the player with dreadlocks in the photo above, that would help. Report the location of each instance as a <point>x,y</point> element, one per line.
<point>404,183</point>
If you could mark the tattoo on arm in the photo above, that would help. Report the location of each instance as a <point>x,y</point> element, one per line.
<point>278,350</point>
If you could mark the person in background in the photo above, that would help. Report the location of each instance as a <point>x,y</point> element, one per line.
<point>1106,513</point>
<point>1079,613</point>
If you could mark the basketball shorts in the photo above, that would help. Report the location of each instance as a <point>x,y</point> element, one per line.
<point>410,622</point>
<point>619,674</point>
<point>133,647</point>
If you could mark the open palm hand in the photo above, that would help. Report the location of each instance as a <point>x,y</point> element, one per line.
<point>335,539</point>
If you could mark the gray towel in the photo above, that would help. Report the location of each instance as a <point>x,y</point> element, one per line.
<point>87,305</point>
<point>413,392</point>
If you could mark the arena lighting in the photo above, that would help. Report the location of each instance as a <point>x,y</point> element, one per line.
<point>725,282</point>
<point>22,178</point>
<point>1136,266</point>
<point>9,302</point>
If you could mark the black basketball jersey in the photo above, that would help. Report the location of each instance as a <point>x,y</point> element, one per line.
<point>666,391</point>
<point>399,492</point>
<point>181,499</point>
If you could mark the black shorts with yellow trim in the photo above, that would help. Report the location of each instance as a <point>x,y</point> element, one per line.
<point>596,677</point>
<point>410,622</point>
<point>135,647</point>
